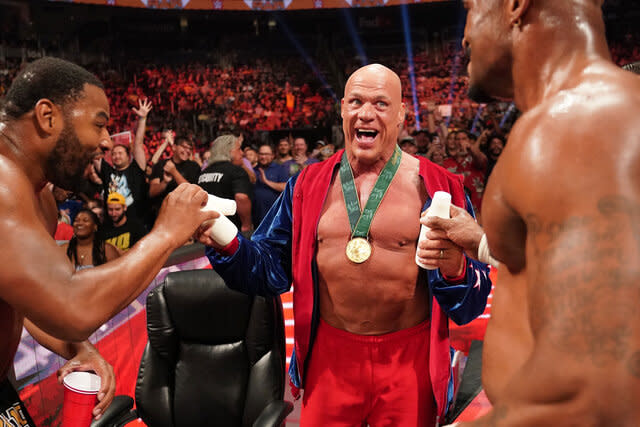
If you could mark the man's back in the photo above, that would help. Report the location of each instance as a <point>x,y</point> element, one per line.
<point>224,179</point>
<point>561,213</point>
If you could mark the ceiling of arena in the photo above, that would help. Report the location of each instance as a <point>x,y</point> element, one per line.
<point>248,4</point>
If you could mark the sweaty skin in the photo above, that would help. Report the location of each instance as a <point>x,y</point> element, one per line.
<point>12,321</point>
<point>382,294</point>
<point>561,213</point>
<point>82,355</point>
<point>37,280</point>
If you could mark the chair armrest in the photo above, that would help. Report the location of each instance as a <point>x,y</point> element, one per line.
<point>117,413</point>
<point>274,414</point>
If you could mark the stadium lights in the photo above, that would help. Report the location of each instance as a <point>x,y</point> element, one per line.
<point>457,58</point>
<point>346,14</point>
<point>412,75</point>
<point>316,71</point>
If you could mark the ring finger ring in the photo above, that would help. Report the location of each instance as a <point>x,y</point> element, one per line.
<point>441,253</point>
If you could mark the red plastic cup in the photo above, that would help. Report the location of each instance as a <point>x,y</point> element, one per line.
<point>80,397</point>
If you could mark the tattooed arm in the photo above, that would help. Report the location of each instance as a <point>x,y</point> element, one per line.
<point>568,219</point>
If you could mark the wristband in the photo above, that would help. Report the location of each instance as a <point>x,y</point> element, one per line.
<point>231,248</point>
<point>484,255</point>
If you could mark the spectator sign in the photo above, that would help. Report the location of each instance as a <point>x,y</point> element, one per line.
<point>122,138</point>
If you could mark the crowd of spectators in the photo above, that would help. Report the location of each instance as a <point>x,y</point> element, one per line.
<point>176,111</point>
<point>203,100</point>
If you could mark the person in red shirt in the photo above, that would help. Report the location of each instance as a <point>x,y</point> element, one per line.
<point>468,160</point>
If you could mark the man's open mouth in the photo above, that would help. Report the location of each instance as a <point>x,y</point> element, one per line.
<point>366,135</point>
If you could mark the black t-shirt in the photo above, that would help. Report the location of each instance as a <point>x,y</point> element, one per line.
<point>224,179</point>
<point>126,236</point>
<point>90,189</point>
<point>131,183</point>
<point>188,169</point>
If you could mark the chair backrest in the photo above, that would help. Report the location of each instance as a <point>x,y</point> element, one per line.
<point>215,356</point>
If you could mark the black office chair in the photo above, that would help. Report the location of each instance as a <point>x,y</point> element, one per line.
<point>215,357</point>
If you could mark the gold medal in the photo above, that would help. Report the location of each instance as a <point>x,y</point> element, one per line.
<point>358,250</point>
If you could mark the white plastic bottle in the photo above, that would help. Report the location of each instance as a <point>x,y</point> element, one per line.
<point>440,207</point>
<point>222,230</point>
<point>224,206</point>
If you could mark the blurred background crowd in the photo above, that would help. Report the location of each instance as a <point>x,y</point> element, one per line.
<point>179,80</point>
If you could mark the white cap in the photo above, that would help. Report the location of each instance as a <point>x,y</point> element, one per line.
<point>226,207</point>
<point>440,204</point>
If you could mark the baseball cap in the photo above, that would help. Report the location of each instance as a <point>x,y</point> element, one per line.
<point>116,198</point>
<point>407,139</point>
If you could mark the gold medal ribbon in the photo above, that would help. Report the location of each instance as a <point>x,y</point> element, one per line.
<point>360,221</point>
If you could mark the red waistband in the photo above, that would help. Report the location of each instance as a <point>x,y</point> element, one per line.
<point>334,332</point>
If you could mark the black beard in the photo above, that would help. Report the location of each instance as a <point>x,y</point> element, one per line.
<point>477,94</point>
<point>67,161</point>
<point>117,220</point>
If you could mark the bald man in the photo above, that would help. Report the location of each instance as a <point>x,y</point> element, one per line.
<point>371,335</point>
<point>561,214</point>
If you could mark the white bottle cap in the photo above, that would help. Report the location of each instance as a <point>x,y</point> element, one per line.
<point>440,205</point>
<point>226,207</point>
